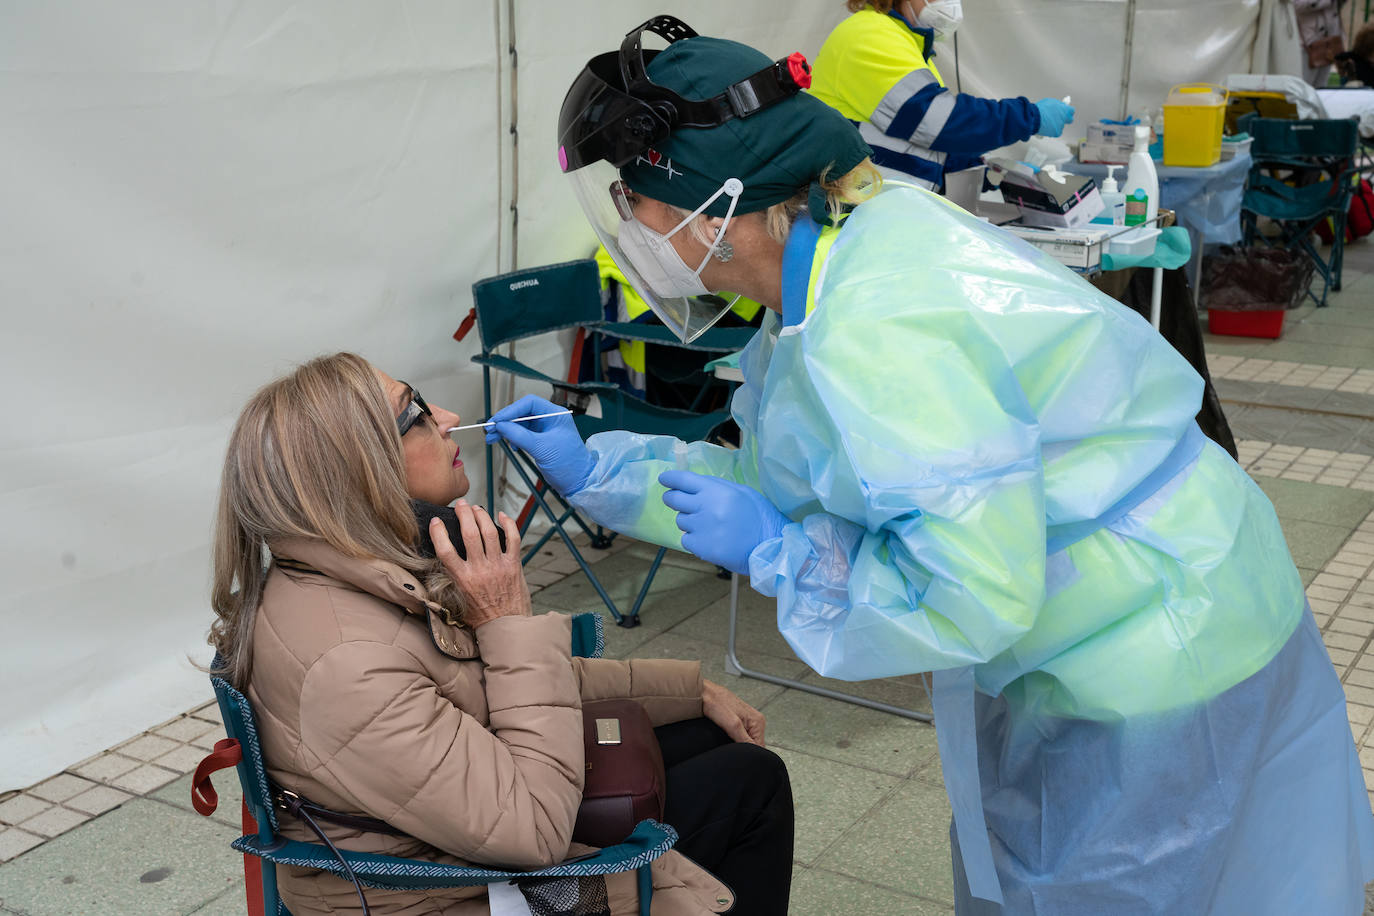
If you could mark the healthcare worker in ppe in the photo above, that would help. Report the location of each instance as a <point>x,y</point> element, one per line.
<point>878,69</point>
<point>959,457</point>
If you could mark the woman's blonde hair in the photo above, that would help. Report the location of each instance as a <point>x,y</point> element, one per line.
<point>882,6</point>
<point>853,187</point>
<point>314,455</point>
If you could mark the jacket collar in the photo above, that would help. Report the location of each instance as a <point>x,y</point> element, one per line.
<point>926,36</point>
<point>376,577</point>
<point>386,581</point>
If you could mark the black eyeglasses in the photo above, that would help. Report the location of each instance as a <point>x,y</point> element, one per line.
<point>416,409</point>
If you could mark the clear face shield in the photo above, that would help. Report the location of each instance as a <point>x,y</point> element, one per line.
<point>612,115</point>
<point>672,288</point>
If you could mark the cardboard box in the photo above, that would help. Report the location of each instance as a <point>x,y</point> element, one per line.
<point>1080,249</point>
<point>1102,155</point>
<point>1066,202</point>
<point>1112,136</point>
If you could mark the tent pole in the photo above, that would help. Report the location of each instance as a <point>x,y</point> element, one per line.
<point>1126,67</point>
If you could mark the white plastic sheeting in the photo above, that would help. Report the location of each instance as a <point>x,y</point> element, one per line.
<point>198,194</point>
<point>1040,48</point>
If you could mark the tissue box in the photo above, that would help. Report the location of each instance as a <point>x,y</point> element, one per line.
<point>1045,200</point>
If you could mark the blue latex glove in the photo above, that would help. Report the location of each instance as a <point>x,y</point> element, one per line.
<point>722,521</point>
<point>1054,117</point>
<point>552,443</point>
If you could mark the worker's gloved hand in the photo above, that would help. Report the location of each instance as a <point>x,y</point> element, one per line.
<point>1054,117</point>
<point>722,521</point>
<point>552,443</point>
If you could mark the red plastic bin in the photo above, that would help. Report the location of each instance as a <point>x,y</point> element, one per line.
<point>1261,323</point>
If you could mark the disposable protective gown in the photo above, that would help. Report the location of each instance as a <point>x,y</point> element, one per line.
<point>992,470</point>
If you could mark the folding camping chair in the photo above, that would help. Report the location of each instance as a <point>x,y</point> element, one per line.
<point>1302,175</point>
<point>264,849</point>
<point>539,300</point>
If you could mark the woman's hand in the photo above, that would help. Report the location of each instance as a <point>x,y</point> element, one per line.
<point>492,580</point>
<point>735,717</point>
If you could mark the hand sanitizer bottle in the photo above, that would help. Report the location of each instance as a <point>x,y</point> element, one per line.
<point>1142,181</point>
<point>1113,201</point>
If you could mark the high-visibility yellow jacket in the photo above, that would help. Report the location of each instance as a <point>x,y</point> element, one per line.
<point>879,72</point>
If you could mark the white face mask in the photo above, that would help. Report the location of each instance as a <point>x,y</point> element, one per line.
<point>658,262</point>
<point>942,16</point>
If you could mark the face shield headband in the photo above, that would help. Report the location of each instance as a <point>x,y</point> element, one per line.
<point>615,112</point>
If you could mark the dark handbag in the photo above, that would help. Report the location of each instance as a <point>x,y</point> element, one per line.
<point>625,782</point>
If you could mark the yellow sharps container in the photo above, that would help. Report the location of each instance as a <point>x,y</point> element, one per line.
<point>1194,118</point>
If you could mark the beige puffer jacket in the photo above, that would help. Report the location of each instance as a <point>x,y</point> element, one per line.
<point>368,702</point>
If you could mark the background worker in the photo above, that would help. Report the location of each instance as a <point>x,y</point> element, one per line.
<point>878,69</point>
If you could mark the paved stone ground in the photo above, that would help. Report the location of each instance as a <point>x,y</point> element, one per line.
<point>116,834</point>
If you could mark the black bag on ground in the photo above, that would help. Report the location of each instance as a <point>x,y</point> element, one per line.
<point>1178,324</point>
<point>1255,278</point>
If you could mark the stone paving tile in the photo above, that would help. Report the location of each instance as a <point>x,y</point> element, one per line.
<point>184,729</point>
<point>15,842</point>
<point>54,822</point>
<point>61,787</point>
<point>105,767</point>
<point>1257,370</point>
<point>147,747</point>
<point>98,800</point>
<point>145,858</point>
<point>20,808</point>
<point>183,759</point>
<point>145,779</point>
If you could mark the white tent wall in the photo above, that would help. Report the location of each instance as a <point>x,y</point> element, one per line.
<point>199,194</point>
<point>1040,48</point>
<point>196,196</point>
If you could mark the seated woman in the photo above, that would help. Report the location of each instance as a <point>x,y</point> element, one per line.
<point>422,692</point>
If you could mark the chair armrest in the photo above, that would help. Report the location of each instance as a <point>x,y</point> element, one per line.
<point>714,340</point>
<point>647,842</point>
<point>515,367</point>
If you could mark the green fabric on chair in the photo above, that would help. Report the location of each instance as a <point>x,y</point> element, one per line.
<point>1301,175</point>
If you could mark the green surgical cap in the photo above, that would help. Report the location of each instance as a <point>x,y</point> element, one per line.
<point>777,152</point>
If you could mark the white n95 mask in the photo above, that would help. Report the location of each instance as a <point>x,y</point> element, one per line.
<point>941,16</point>
<point>658,262</point>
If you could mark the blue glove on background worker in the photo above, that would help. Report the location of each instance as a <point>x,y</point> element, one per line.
<point>553,443</point>
<point>1054,117</point>
<point>722,521</point>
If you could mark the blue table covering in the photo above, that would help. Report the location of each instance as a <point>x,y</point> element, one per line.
<point>1206,201</point>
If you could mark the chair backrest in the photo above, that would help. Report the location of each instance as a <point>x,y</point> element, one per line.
<point>241,725</point>
<point>1278,138</point>
<point>537,300</point>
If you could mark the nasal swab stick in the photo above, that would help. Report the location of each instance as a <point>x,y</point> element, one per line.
<point>538,416</point>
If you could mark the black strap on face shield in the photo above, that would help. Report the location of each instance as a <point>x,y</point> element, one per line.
<point>602,120</point>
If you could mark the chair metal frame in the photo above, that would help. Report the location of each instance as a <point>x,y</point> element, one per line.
<point>734,666</point>
<point>649,840</point>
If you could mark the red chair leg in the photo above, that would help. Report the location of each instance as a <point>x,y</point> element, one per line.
<point>252,869</point>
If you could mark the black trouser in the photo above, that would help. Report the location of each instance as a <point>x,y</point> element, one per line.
<point>731,805</point>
